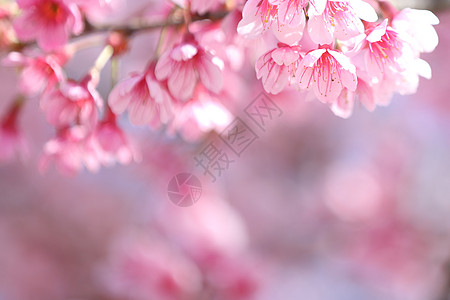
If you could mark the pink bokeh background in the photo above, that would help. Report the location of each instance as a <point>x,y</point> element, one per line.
<point>318,208</point>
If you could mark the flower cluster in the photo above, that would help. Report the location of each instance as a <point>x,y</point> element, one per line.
<point>338,51</point>
<point>349,54</point>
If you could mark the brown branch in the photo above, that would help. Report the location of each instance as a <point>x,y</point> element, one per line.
<point>130,29</point>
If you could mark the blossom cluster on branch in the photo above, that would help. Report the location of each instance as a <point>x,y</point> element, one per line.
<point>338,52</point>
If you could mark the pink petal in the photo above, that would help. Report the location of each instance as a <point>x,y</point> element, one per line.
<point>291,15</point>
<point>311,57</point>
<point>120,98</point>
<point>343,106</point>
<point>25,26</point>
<point>141,111</point>
<point>250,26</point>
<point>343,60</point>
<point>183,81</point>
<point>285,55</point>
<point>378,32</point>
<point>317,7</point>
<point>183,52</point>
<point>210,74</point>
<point>364,10</point>
<point>78,24</point>
<point>318,30</point>
<point>164,66</point>
<point>289,35</point>
<point>52,37</point>
<point>349,80</point>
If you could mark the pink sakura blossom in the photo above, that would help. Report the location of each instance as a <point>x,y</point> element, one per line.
<point>375,95</point>
<point>339,20</point>
<point>383,52</point>
<point>187,64</point>
<point>343,106</point>
<point>416,27</point>
<point>70,152</point>
<point>288,16</point>
<point>50,22</point>
<point>111,142</point>
<point>386,63</point>
<point>11,140</point>
<point>146,99</point>
<point>39,73</point>
<point>140,268</point>
<point>201,114</point>
<point>277,67</point>
<point>100,11</point>
<point>72,103</point>
<point>328,72</point>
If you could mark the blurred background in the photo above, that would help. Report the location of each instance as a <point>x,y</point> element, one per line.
<point>317,208</point>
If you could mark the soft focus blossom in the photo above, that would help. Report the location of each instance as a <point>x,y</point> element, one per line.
<point>383,51</point>
<point>11,139</point>
<point>417,28</point>
<point>340,20</point>
<point>286,18</point>
<point>359,206</point>
<point>147,100</point>
<point>277,67</point>
<point>327,72</point>
<point>70,152</point>
<point>140,268</point>
<point>111,143</point>
<point>185,65</point>
<point>50,22</point>
<point>71,103</point>
<point>200,115</point>
<point>39,73</point>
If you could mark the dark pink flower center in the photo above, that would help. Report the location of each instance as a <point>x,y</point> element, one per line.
<point>53,11</point>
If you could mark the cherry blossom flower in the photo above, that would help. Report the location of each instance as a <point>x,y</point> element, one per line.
<point>39,73</point>
<point>72,103</point>
<point>383,51</point>
<point>339,20</point>
<point>343,106</point>
<point>416,27</point>
<point>141,268</point>
<point>50,22</point>
<point>146,99</point>
<point>185,65</point>
<point>98,11</point>
<point>70,152</point>
<point>111,142</point>
<point>277,67</point>
<point>11,140</point>
<point>201,114</point>
<point>328,72</point>
<point>287,15</point>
